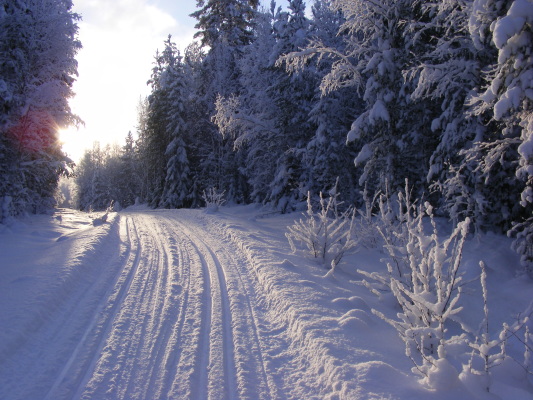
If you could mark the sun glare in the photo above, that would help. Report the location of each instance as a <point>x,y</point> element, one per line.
<point>74,142</point>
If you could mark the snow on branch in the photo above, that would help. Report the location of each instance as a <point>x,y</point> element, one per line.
<point>233,121</point>
<point>343,72</point>
<point>327,234</point>
<point>214,199</point>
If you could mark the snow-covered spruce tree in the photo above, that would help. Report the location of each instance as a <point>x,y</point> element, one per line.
<point>159,111</point>
<point>225,27</point>
<point>178,183</point>
<point>281,117</point>
<point>508,98</point>
<point>129,177</point>
<point>198,140</point>
<point>446,68</point>
<point>478,181</point>
<point>38,43</point>
<point>391,132</point>
<point>141,150</point>
<point>327,157</point>
<point>249,118</point>
<point>293,95</point>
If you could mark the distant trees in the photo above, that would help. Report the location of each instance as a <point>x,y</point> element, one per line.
<point>108,174</point>
<point>38,45</point>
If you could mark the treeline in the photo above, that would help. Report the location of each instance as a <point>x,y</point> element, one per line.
<point>38,45</point>
<point>273,104</point>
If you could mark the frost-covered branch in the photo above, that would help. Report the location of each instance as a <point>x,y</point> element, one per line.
<point>326,234</point>
<point>213,199</point>
<point>343,72</point>
<point>233,121</point>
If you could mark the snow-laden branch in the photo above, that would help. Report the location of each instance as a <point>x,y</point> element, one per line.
<point>233,121</point>
<point>343,72</point>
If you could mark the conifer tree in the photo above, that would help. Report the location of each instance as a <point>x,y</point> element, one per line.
<point>38,43</point>
<point>226,27</point>
<point>293,95</point>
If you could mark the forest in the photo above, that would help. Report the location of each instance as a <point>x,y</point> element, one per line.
<point>273,106</point>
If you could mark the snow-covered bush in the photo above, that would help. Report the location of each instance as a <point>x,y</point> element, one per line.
<point>489,353</point>
<point>423,275</point>
<point>367,232</point>
<point>523,243</point>
<point>391,225</point>
<point>429,293</point>
<point>102,219</point>
<point>327,234</point>
<point>213,199</point>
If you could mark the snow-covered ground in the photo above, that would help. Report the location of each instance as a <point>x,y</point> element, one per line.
<point>182,304</point>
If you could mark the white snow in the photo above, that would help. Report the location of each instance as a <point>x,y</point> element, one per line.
<point>520,12</point>
<point>182,304</point>
<point>379,112</point>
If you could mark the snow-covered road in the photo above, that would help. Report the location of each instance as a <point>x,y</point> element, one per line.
<point>181,304</point>
<point>173,315</point>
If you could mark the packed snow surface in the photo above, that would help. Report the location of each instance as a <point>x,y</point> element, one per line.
<point>183,304</point>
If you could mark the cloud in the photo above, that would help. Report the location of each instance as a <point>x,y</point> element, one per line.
<point>119,41</point>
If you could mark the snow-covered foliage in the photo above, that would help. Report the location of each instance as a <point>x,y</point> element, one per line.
<point>213,199</point>
<point>523,243</point>
<point>423,275</point>
<point>38,43</point>
<point>328,234</point>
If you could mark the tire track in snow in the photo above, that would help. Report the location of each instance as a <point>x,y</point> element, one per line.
<point>248,367</point>
<point>178,321</point>
<point>168,354</point>
<point>132,364</point>
<point>217,375</point>
<point>156,309</point>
